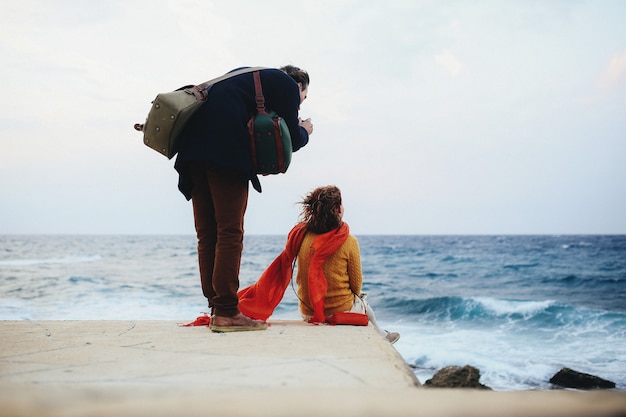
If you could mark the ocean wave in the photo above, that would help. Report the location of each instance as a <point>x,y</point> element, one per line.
<point>64,260</point>
<point>521,266</point>
<point>516,344</point>
<point>81,280</point>
<point>500,307</point>
<point>469,308</point>
<point>457,259</point>
<point>533,315</point>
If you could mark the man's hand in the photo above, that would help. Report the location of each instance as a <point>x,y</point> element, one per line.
<point>307,125</point>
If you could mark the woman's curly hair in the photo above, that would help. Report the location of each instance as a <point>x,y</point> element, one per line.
<point>321,209</point>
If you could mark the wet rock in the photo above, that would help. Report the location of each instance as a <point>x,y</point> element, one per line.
<point>569,378</point>
<point>456,377</point>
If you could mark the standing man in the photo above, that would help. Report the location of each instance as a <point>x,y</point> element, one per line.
<point>214,164</point>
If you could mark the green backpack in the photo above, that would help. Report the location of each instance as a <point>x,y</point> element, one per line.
<point>270,140</point>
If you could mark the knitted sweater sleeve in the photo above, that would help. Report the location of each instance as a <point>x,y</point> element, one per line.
<point>355,273</point>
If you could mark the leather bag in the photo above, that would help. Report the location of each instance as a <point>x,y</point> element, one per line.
<point>270,140</point>
<point>171,111</point>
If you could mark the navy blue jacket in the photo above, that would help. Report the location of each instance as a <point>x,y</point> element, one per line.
<point>217,133</point>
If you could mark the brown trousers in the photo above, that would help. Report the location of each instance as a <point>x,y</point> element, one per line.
<point>219,199</point>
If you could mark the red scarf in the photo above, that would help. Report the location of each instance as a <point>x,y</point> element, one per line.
<point>259,300</point>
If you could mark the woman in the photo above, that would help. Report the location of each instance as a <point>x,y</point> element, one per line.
<point>322,213</point>
<point>329,267</point>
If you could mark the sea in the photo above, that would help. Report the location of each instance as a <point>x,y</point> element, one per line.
<point>519,308</point>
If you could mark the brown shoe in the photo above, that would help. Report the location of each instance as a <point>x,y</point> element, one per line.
<point>238,323</point>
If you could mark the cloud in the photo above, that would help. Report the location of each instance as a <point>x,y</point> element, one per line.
<point>449,63</point>
<point>614,76</point>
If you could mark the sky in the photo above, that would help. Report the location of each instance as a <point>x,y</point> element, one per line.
<point>432,117</point>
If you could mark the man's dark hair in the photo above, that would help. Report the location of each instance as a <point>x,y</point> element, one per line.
<point>299,75</point>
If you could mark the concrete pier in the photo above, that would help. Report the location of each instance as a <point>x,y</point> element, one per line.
<point>158,368</point>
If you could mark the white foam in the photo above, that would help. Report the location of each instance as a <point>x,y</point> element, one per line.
<point>64,260</point>
<point>507,360</point>
<point>503,307</point>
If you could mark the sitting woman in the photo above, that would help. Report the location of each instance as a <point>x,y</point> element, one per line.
<point>322,213</point>
<point>329,267</point>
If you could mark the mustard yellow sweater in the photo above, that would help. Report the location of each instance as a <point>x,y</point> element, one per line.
<point>343,274</point>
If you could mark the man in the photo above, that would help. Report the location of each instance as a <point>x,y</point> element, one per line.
<point>215,164</point>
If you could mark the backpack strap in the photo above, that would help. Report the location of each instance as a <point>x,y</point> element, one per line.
<point>260,107</point>
<point>201,92</point>
<point>258,89</point>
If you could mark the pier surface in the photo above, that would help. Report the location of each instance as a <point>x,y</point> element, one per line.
<point>158,368</point>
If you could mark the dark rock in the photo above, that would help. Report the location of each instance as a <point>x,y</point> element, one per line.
<point>456,377</point>
<point>569,378</point>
